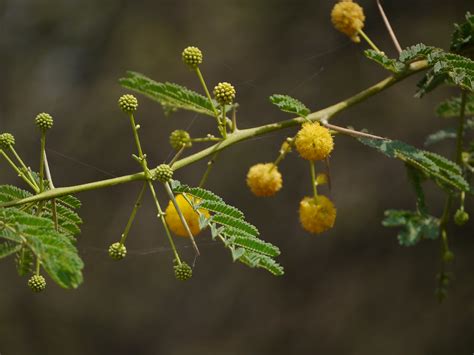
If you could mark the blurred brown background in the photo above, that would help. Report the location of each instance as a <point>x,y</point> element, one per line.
<point>353,290</point>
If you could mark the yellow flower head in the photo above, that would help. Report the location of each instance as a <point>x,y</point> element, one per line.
<point>264,179</point>
<point>314,142</point>
<point>348,17</point>
<point>191,216</point>
<point>317,214</point>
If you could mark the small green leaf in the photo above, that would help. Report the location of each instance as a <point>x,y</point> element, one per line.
<point>289,104</point>
<point>449,133</point>
<point>451,108</point>
<point>56,252</point>
<point>380,58</point>
<point>8,248</point>
<point>228,224</point>
<point>415,226</point>
<point>445,173</point>
<point>237,253</point>
<point>171,96</point>
<point>462,41</point>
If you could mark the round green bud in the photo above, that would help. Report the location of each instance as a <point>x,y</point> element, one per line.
<point>448,256</point>
<point>163,173</point>
<point>224,93</point>
<point>44,121</point>
<point>179,139</point>
<point>6,140</point>
<point>37,283</point>
<point>183,271</point>
<point>461,217</point>
<point>192,56</point>
<point>128,103</point>
<point>117,251</point>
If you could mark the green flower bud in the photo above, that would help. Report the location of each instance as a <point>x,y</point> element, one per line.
<point>179,139</point>
<point>6,140</point>
<point>183,271</point>
<point>448,256</point>
<point>117,251</point>
<point>128,103</point>
<point>461,217</point>
<point>192,56</point>
<point>37,283</point>
<point>163,173</point>
<point>224,93</point>
<point>44,121</point>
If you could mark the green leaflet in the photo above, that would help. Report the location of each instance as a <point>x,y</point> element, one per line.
<point>415,226</point>
<point>407,56</point>
<point>171,96</point>
<point>8,247</point>
<point>448,68</point>
<point>448,133</point>
<point>56,252</point>
<point>68,220</point>
<point>417,52</point>
<point>444,172</point>
<point>219,207</point>
<point>462,41</point>
<point>289,104</point>
<point>228,224</point>
<point>380,58</point>
<point>25,261</point>
<point>451,108</point>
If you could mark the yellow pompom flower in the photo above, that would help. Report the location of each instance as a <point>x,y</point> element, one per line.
<point>348,18</point>
<point>314,142</point>
<point>191,217</point>
<point>264,179</point>
<point>317,214</point>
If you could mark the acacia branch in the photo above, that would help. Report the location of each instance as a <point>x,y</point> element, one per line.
<point>232,138</point>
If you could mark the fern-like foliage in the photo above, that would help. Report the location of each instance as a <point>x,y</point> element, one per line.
<point>451,108</point>
<point>68,220</point>
<point>407,56</point>
<point>31,237</point>
<point>289,104</point>
<point>392,65</point>
<point>447,68</point>
<point>445,173</point>
<point>415,226</point>
<point>171,96</point>
<point>462,41</point>
<point>417,52</point>
<point>228,224</point>
<point>38,236</point>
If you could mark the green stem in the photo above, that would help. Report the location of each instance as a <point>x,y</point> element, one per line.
<point>18,171</point>
<point>204,86</point>
<point>224,123</point>
<point>460,131</point>
<point>210,165</point>
<point>313,178</point>
<point>177,155</point>
<point>234,119</point>
<point>37,271</point>
<point>232,139</point>
<point>41,169</point>
<point>133,214</point>
<point>369,41</point>
<point>161,216</point>
<point>25,168</point>
<point>181,217</point>
<point>206,139</point>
